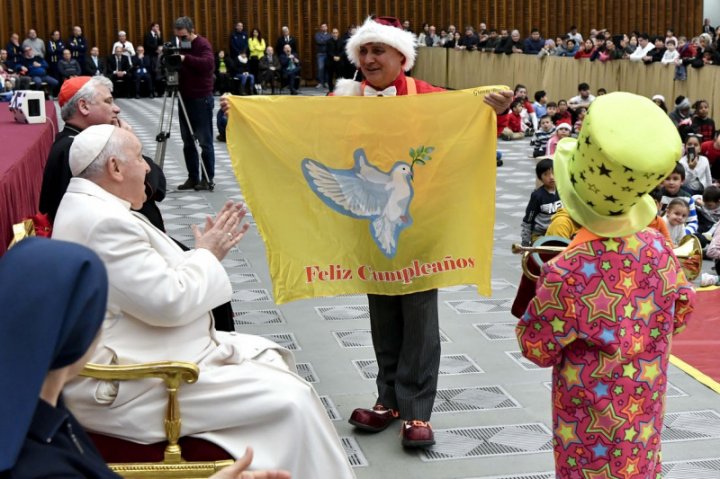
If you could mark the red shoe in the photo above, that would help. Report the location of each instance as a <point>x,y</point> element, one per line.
<point>373,420</point>
<point>417,434</point>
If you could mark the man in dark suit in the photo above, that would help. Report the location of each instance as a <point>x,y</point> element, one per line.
<point>270,68</point>
<point>95,64</point>
<point>290,69</point>
<point>286,39</point>
<point>142,69</point>
<point>335,51</point>
<point>153,39</point>
<point>118,69</point>
<point>14,49</point>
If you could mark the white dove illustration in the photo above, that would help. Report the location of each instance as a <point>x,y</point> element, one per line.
<point>365,192</point>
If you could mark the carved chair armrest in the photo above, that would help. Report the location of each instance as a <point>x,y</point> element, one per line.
<point>173,374</point>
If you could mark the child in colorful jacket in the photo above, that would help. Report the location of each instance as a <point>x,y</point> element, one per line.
<point>607,307</point>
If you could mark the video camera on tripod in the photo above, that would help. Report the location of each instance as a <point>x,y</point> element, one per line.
<point>171,61</point>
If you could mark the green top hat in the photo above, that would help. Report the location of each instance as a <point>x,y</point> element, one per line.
<point>626,147</point>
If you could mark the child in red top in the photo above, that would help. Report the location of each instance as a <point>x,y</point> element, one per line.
<point>528,112</point>
<point>711,150</point>
<point>513,131</point>
<point>702,124</point>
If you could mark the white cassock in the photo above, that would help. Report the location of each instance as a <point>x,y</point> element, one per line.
<point>158,309</point>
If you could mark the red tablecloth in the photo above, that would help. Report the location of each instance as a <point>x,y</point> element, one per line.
<point>23,152</point>
<point>698,344</point>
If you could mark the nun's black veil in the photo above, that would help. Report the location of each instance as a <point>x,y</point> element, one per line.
<point>53,297</point>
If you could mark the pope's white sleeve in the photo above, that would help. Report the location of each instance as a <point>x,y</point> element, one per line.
<point>144,284</point>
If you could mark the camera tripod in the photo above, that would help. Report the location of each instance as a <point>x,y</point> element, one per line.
<point>172,93</point>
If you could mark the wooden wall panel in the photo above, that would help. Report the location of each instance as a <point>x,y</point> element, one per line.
<point>101,19</point>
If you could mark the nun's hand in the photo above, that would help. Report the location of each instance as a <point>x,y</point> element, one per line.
<point>237,470</point>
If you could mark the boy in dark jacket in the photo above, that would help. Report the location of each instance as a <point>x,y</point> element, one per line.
<point>544,203</point>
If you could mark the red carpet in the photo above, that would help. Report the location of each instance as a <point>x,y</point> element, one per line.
<point>699,345</point>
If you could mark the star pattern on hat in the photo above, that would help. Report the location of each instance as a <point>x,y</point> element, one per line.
<point>608,186</point>
<point>610,198</point>
<point>604,170</point>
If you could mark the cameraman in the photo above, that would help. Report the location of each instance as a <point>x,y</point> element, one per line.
<point>196,91</point>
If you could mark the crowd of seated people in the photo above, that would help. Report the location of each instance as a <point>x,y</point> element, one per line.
<point>252,64</point>
<point>246,67</point>
<point>695,181</point>
<point>668,49</point>
<point>37,64</point>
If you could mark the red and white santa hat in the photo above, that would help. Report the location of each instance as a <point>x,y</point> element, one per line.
<point>387,30</point>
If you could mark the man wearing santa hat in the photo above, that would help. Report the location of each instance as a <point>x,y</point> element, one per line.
<point>405,327</point>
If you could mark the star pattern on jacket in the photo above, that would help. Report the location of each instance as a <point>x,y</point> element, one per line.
<point>603,317</point>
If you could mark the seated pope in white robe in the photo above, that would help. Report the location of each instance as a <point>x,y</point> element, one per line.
<point>159,308</point>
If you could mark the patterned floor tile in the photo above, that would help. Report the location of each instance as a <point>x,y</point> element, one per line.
<point>479,306</point>
<point>307,372</point>
<point>251,295</point>
<point>695,469</point>
<point>691,425</point>
<point>355,456</point>
<point>450,365</point>
<point>473,399</point>
<point>339,313</point>
<point>244,278</point>
<point>462,443</point>
<point>504,331</point>
<point>286,340</point>
<point>361,338</point>
<point>522,361</point>
<point>260,316</point>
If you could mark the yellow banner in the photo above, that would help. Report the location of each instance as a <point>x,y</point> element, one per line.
<point>385,195</point>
